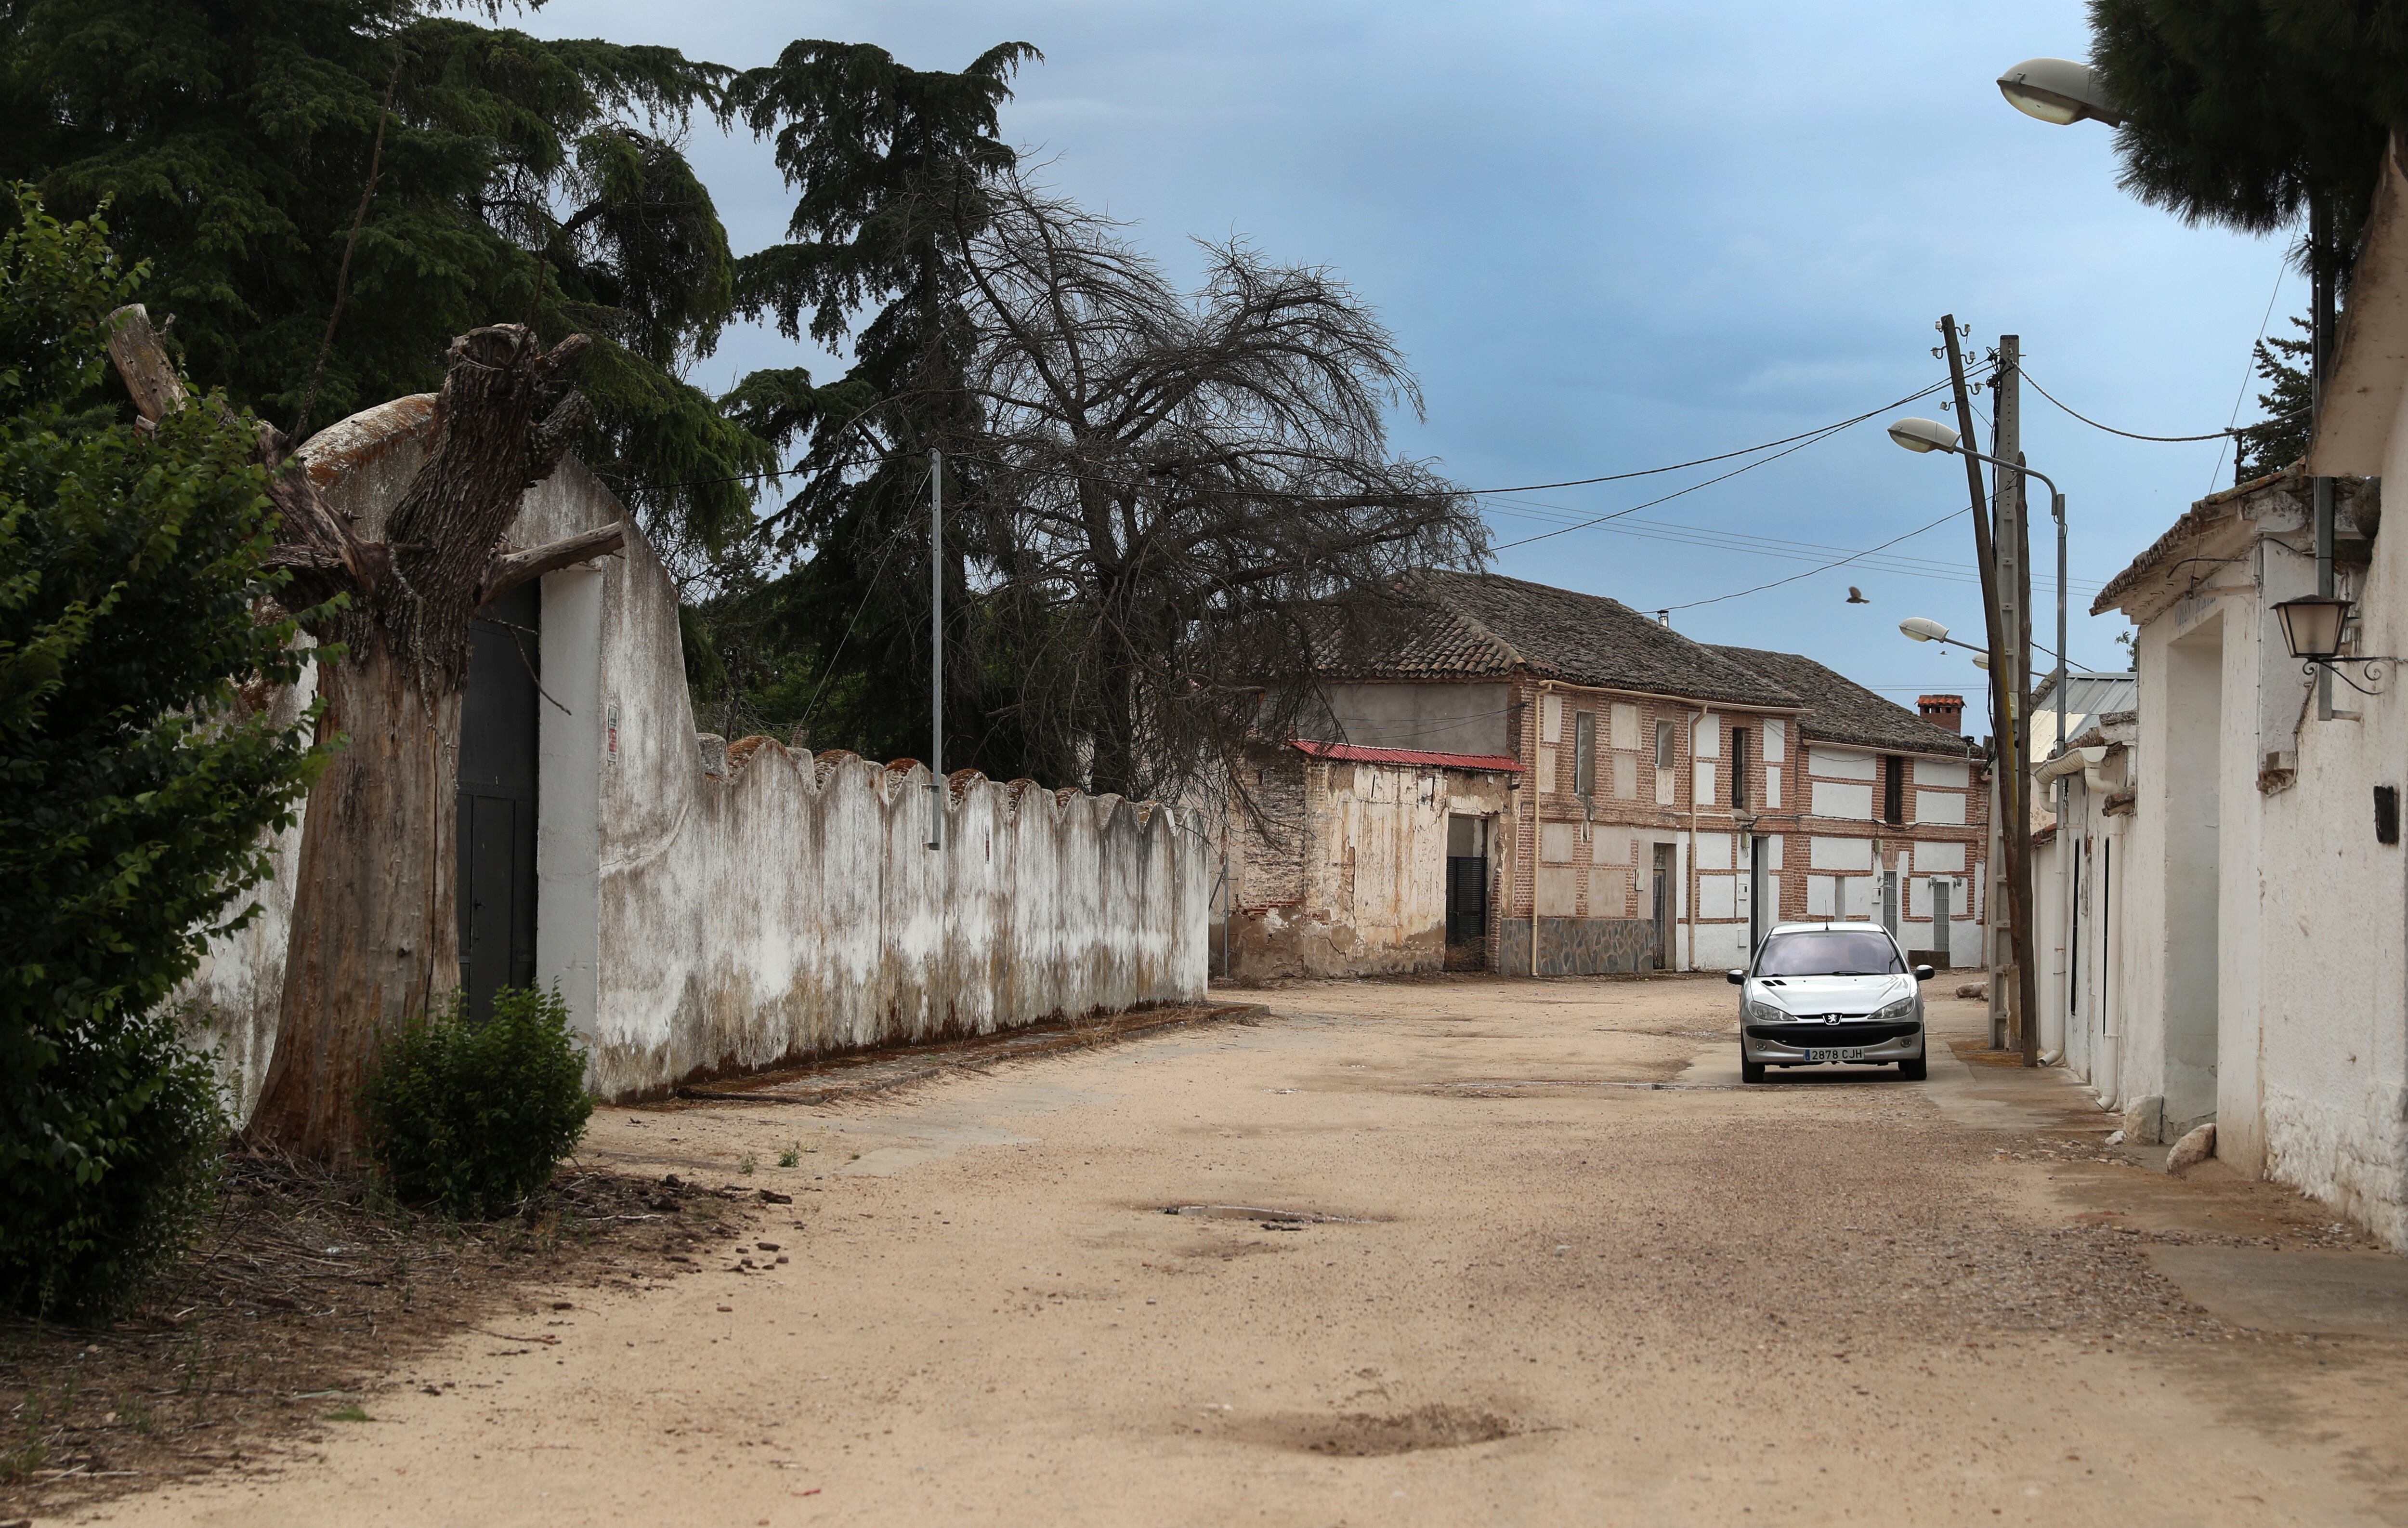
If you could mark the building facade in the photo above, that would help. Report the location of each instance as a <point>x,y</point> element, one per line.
<point>1541,781</point>
<point>2239,833</point>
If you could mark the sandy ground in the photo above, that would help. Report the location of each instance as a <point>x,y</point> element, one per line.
<point>1509,1281</point>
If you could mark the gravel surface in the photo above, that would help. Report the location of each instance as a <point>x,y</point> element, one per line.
<point>1450,1251</point>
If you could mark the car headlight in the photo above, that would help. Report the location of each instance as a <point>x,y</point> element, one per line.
<point>1765,1013</point>
<point>1903,1008</point>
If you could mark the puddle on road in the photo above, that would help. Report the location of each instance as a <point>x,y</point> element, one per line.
<point>1363,1435</point>
<point>1265,1217</point>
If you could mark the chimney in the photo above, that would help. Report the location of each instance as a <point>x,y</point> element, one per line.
<point>1946,711</point>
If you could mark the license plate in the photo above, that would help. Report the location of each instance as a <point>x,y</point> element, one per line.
<point>1855,1053</point>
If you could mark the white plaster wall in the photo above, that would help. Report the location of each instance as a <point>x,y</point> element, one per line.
<point>787,908</point>
<point>235,993</point>
<point>2331,1081</point>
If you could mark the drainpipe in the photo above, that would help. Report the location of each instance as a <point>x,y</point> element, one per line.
<point>1538,740</point>
<point>1689,871</point>
<point>2111,1044</point>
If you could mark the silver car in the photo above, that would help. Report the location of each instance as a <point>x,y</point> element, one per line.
<point>1825,993</point>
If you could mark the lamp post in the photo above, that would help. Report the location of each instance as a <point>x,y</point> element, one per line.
<point>1924,435</point>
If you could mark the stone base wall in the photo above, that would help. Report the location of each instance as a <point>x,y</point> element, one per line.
<point>1576,946</point>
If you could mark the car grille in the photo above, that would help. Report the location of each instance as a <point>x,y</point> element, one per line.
<point>1817,1033</point>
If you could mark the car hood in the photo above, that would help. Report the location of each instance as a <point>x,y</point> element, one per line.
<point>1829,994</point>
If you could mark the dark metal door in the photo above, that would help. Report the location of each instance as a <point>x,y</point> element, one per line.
<point>498,733</point>
<point>1663,911</point>
<point>1940,891</point>
<point>1467,899</point>
<point>1467,888</point>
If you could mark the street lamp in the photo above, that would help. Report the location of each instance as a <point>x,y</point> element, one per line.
<point>2312,629</point>
<point>2058,91</point>
<point>2312,625</point>
<point>1926,434</point>
<point>1922,628</point>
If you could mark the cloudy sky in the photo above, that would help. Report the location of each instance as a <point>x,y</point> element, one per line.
<point>1613,236</point>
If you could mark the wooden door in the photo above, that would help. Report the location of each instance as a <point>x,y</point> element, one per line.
<point>500,727</point>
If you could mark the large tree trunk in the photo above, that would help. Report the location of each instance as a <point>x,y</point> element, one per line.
<point>375,931</point>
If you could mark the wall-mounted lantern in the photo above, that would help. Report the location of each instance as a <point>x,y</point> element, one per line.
<point>2312,629</point>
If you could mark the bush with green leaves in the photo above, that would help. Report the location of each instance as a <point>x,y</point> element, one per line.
<point>138,787</point>
<point>472,1116</point>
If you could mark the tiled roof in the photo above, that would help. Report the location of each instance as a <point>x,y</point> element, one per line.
<point>1840,710</point>
<point>1502,763</point>
<point>1487,625</point>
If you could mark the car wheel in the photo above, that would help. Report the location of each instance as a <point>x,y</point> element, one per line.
<point>1912,1071</point>
<point>1750,1071</point>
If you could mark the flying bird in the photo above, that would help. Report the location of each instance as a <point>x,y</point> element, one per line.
<point>1857,596</point>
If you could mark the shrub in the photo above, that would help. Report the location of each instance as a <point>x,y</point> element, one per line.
<point>137,789</point>
<point>471,1115</point>
<point>79,1244</point>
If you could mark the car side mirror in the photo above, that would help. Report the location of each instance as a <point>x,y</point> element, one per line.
<point>1736,977</point>
<point>1924,973</point>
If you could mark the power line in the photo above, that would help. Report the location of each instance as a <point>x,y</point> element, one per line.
<point>2161,439</point>
<point>1807,438</point>
<point>1802,442</point>
<point>1812,571</point>
<point>2281,270</point>
<point>1772,546</point>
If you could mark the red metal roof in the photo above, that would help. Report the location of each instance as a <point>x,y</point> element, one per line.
<point>1499,763</point>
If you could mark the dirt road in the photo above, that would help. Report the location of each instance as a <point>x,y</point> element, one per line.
<point>1509,1280</point>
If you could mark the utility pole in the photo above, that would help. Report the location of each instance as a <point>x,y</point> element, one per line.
<point>2013,536</point>
<point>2014,609</point>
<point>935,650</point>
<point>2010,766</point>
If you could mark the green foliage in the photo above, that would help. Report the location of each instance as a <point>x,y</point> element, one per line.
<point>2239,111</point>
<point>474,1116</point>
<point>891,167</point>
<point>136,786</point>
<point>2281,437</point>
<point>518,177</point>
<point>78,1235</point>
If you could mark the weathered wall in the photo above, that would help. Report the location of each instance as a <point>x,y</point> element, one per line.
<point>2256,955</point>
<point>1340,869</point>
<point>771,906</point>
<point>1431,718</point>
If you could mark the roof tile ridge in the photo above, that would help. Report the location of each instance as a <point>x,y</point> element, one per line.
<point>1513,653</point>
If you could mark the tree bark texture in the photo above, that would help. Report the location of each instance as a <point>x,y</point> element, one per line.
<point>375,930</point>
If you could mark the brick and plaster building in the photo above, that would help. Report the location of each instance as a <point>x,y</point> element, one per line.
<point>1534,779</point>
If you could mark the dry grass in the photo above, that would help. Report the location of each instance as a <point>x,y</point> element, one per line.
<point>303,1290</point>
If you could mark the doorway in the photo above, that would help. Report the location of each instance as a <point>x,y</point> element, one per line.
<point>1940,891</point>
<point>2193,872</point>
<point>1760,916</point>
<point>1661,876</point>
<point>499,728</point>
<point>1466,893</point>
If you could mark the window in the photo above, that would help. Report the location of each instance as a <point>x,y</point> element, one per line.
<point>1892,789</point>
<point>1829,952</point>
<point>1664,745</point>
<point>1585,753</point>
<point>1739,768</point>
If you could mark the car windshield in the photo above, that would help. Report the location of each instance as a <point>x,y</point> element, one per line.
<point>1829,952</point>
